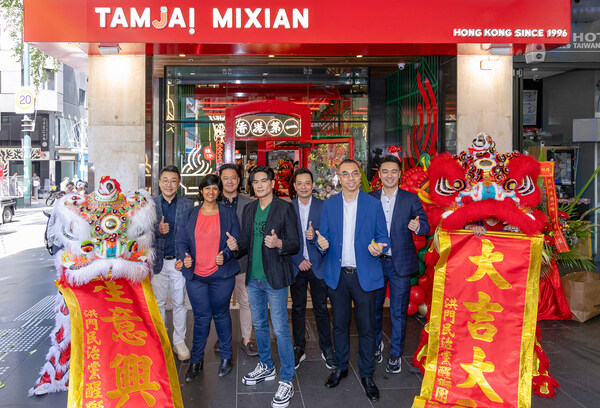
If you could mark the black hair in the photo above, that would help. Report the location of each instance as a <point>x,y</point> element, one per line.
<point>209,180</point>
<point>260,169</point>
<point>171,169</point>
<point>230,166</point>
<point>390,158</point>
<point>345,161</point>
<point>70,183</point>
<point>303,171</point>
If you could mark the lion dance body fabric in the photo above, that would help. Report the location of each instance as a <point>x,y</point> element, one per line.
<point>109,346</point>
<point>479,347</point>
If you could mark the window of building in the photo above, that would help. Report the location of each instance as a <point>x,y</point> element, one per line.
<point>81,97</point>
<point>50,84</point>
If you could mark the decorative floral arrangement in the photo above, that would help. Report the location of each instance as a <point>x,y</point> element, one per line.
<point>327,185</point>
<point>569,201</point>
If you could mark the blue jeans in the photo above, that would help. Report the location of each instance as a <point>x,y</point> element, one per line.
<point>260,293</point>
<point>399,298</point>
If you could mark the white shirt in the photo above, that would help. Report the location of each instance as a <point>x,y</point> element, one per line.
<point>303,211</point>
<point>349,226</point>
<point>388,204</point>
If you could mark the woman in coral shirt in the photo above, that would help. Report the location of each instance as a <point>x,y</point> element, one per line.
<point>209,268</point>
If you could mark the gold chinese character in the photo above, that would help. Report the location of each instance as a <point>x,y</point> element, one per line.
<point>441,394</point>
<point>95,404</point>
<point>91,322</point>
<point>481,309</point>
<point>132,373</point>
<point>91,338</point>
<point>123,324</point>
<point>114,292</point>
<point>447,330</point>
<point>92,389</point>
<point>476,370</point>
<point>94,370</point>
<point>444,371</point>
<point>449,315</point>
<point>446,354</point>
<point>92,353</point>
<point>450,304</point>
<point>442,382</point>
<point>447,343</point>
<point>484,265</point>
<point>90,313</point>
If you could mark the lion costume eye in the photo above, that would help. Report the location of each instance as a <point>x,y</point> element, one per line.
<point>527,186</point>
<point>510,185</point>
<point>442,187</point>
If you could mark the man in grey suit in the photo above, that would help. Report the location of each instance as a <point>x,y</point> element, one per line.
<point>230,177</point>
<point>167,280</point>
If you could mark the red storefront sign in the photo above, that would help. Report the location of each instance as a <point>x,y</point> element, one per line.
<point>298,21</point>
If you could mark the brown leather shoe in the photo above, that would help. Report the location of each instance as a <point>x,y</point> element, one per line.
<point>216,347</point>
<point>250,348</point>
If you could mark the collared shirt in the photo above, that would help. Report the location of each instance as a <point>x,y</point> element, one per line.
<point>388,204</point>
<point>231,203</point>
<point>169,210</point>
<point>304,211</point>
<point>349,220</point>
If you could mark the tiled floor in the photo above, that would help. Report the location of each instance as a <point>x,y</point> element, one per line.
<point>27,279</point>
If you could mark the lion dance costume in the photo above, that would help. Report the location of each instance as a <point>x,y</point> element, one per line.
<point>109,346</point>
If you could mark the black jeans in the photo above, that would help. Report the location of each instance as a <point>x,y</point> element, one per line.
<point>348,291</point>
<point>318,292</point>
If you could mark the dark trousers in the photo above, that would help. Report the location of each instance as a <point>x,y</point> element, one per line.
<point>210,297</point>
<point>318,292</point>
<point>349,291</point>
<point>399,298</point>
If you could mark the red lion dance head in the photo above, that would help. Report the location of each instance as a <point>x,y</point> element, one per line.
<point>480,184</point>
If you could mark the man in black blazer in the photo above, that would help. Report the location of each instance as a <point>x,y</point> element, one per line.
<point>309,268</point>
<point>404,215</point>
<point>269,237</point>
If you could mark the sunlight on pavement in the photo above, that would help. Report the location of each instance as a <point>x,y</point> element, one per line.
<point>26,231</point>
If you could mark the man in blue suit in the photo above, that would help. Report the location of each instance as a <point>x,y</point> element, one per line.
<point>309,267</point>
<point>404,215</point>
<point>354,234</point>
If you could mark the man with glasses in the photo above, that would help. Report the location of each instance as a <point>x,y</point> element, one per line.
<point>404,215</point>
<point>167,281</point>
<point>353,234</point>
<point>269,237</point>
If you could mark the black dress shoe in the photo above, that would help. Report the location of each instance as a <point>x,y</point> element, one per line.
<point>193,371</point>
<point>225,367</point>
<point>370,388</point>
<point>334,378</point>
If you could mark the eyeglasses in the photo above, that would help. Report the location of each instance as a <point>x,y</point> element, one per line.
<point>347,175</point>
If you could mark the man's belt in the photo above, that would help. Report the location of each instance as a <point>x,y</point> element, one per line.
<point>348,269</point>
<point>169,258</point>
<point>388,257</point>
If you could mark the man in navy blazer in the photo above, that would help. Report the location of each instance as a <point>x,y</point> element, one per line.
<point>404,216</point>
<point>354,234</point>
<point>309,268</point>
<point>167,281</point>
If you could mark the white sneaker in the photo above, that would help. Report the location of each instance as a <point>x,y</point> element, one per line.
<point>261,373</point>
<point>183,353</point>
<point>284,394</point>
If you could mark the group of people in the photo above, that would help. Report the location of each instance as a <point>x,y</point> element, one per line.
<point>348,249</point>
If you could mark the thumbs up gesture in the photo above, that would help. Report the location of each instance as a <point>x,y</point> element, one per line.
<point>163,227</point>
<point>413,224</point>
<point>310,232</point>
<point>231,242</point>
<point>375,248</point>
<point>187,261</point>
<point>271,241</point>
<point>220,259</point>
<point>322,241</point>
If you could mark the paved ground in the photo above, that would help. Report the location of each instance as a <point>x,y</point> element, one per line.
<point>26,295</point>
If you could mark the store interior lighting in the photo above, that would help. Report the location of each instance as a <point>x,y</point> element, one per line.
<point>109,48</point>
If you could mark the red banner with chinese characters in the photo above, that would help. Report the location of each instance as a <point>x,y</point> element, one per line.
<point>483,319</point>
<point>547,174</point>
<point>120,353</point>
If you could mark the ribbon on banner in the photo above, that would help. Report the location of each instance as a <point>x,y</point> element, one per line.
<point>547,174</point>
<point>120,351</point>
<point>483,319</point>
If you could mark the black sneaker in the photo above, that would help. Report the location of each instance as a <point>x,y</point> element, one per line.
<point>299,356</point>
<point>379,353</point>
<point>329,360</point>
<point>261,373</point>
<point>394,365</point>
<point>283,395</point>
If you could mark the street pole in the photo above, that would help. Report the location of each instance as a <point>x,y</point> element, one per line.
<point>26,136</point>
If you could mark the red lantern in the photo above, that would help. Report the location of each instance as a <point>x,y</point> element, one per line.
<point>417,295</point>
<point>412,308</point>
<point>208,154</point>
